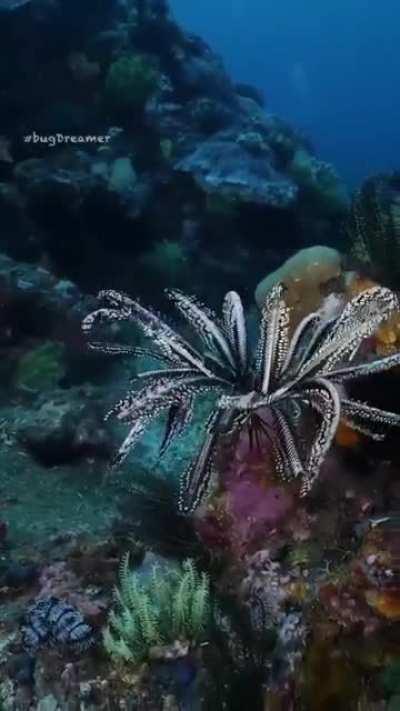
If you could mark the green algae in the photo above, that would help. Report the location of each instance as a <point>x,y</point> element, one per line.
<point>130,82</point>
<point>41,368</point>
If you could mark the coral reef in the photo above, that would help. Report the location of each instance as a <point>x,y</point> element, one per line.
<point>128,87</point>
<point>61,427</point>
<point>130,82</point>
<point>130,161</point>
<point>294,581</point>
<point>373,227</point>
<point>225,165</point>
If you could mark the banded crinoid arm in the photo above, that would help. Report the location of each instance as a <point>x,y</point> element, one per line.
<point>323,398</point>
<point>139,408</point>
<point>160,374</point>
<point>174,349</point>
<point>360,319</point>
<point>196,480</point>
<point>300,340</point>
<point>179,417</point>
<point>288,459</point>
<point>379,365</point>
<point>294,458</point>
<point>235,327</point>
<point>368,420</point>
<point>273,343</point>
<point>224,340</point>
<point>307,336</point>
<point>275,422</point>
<point>288,405</point>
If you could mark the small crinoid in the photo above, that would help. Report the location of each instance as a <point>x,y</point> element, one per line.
<point>292,391</point>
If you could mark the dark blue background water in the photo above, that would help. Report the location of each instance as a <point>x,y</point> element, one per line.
<point>331,67</point>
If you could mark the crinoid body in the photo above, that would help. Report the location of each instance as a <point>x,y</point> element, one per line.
<point>292,379</point>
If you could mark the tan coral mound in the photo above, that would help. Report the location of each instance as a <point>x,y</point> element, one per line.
<point>306,276</point>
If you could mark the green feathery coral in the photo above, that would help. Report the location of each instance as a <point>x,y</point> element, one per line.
<point>171,605</point>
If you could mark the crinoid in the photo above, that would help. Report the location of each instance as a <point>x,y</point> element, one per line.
<point>292,380</point>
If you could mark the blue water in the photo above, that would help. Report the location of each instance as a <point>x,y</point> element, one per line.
<point>331,67</point>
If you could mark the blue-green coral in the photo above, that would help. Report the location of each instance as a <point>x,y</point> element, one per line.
<point>171,605</point>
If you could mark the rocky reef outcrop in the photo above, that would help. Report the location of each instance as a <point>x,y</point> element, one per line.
<point>124,145</point>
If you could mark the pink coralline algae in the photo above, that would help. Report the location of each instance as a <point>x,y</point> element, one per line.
<point>256,510</point>
<point>250,506</point>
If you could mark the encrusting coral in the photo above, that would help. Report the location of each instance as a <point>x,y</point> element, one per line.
<point>163,616</point>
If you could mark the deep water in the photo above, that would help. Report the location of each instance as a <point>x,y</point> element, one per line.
<point>330,67</point>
